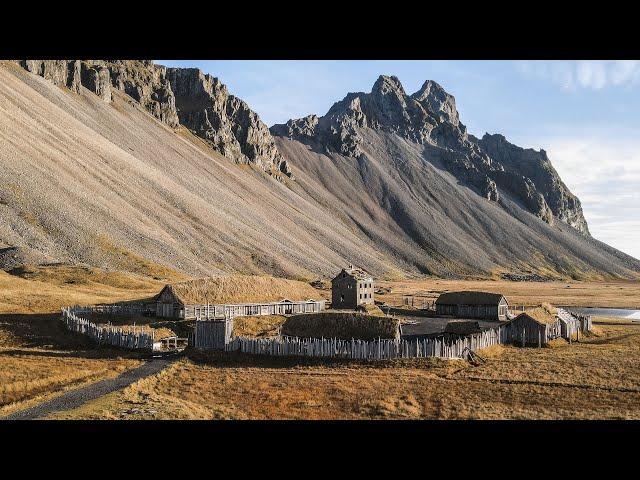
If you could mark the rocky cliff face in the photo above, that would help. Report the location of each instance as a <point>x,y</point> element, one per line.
<point>535,169</point>
<point>224,121</point>
<point>175,97</point>
<point>429,117</point>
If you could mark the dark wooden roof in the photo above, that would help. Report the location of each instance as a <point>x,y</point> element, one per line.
<point>469,298</point>
<point>462,328</point>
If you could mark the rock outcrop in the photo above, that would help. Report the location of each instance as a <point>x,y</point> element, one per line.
<point>429,117</point>
<point>147,84</point>
<point>542,178</point>
<point>176,97</point>
<point>64,73</point>
<point>224,121</point>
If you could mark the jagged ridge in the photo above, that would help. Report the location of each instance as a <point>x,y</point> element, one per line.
<point>430,117</point>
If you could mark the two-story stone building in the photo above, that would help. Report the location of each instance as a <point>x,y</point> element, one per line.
<point>351,287</point>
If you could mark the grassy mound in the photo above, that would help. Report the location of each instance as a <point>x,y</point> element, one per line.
<point>242,289</point>
<point>341,325</point>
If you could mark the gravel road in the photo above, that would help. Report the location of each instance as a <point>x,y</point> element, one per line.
<point>75,398</point>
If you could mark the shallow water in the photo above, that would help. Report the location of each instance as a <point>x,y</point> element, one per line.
<point>607,312</point>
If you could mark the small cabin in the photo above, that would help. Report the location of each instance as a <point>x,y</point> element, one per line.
<point>352,287</point>
<point>468,304</point>
<point>533,327</point>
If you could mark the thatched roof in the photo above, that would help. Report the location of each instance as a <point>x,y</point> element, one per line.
<point>462,328</point>
<point>540,315</point>
<point>241,289</point>
<point>341,325</point>
<point>355,272</point>
<point>469,298</point>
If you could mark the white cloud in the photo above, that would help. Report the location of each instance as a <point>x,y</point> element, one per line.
<point>587,74</point>
<point>604,172</point>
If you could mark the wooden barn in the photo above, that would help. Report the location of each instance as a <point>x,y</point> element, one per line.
<point>352,287</point>
<point>468,304</point>
<point>533,327</point>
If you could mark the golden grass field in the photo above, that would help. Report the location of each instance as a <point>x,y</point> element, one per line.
<point>596,378</point>
<point>613,294</point>
<point>38,357</point>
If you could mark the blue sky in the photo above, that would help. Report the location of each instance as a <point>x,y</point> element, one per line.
<point>585,114</point>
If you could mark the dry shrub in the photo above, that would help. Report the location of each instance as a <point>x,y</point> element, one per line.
<point>257,326</point>
<point>242,289</point>
<point>549,308</point>
<point>371,309</point>
<point>557,343</point>
<point>343,325</point>
<point>595,332</point>
<point>405,406</point>
<point>494,351</point>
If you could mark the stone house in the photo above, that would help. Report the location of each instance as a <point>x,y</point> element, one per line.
<point>352,287</point>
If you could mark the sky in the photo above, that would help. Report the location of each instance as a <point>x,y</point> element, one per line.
<point>585,114</point>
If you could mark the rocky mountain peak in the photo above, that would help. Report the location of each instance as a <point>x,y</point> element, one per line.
<point>491,166</point>
<point>388,85</point>
<point>437,101</point>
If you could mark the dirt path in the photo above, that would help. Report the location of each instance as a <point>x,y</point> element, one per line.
<point>76,398</point>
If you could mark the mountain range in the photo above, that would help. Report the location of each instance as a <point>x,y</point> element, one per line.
<point>126,164</point>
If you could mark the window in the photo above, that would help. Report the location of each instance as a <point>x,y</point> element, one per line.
<point>342,298</point>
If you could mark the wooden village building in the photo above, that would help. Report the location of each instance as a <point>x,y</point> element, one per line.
<point>176,302</point>
<point>468,304</point>
<point>533,327</point>
<point>352,287</point>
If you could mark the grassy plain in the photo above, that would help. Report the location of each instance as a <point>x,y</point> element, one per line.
<point>613,294</point>
<point>597,378</point>
<point>38,357</point>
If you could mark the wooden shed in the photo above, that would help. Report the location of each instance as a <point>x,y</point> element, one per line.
<point>469,304</point>
<point>534,327</point>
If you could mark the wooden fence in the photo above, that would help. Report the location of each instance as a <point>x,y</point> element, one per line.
<point>116,309</point>
<point>217,335</point>
<point>380,349</point>
<point>585,322</point>
<point>140,338</point>
<point>222,311</point>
